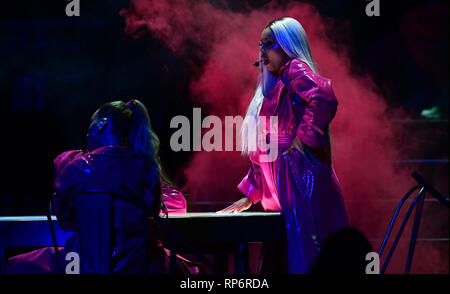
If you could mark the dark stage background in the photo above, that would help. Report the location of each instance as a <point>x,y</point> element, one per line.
<point>56,70</point>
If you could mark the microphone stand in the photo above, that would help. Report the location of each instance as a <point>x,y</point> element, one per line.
<point>424,187</point>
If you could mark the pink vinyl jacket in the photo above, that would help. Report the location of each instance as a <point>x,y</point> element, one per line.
<point>305,187</point>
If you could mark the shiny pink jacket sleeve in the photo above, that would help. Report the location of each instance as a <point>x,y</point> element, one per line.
<point>317,94</point>
<point>251,184</point>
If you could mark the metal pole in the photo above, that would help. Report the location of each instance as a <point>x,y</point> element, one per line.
<point>394,245</point>
<point>414,233</point>
<point>394,218</point>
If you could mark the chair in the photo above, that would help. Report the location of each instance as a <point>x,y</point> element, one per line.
<point>94,222</point>
<point>94,219</point>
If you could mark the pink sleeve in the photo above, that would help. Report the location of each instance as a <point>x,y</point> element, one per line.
<point>61,162</point>
<point>67,175</point>
<point>174,200</point>
<point>321,103</point>
<point>251,184</point>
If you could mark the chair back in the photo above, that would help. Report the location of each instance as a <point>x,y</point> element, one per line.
<point>94,222</point>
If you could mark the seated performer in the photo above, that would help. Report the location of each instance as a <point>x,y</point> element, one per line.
<point>122,152</point>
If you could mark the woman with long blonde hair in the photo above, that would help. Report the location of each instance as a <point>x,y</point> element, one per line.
<point>300,182</point>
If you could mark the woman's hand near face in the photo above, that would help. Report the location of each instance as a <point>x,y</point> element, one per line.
<point>238,206</point>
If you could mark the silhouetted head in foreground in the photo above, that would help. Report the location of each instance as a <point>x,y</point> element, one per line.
<point>343,252</point>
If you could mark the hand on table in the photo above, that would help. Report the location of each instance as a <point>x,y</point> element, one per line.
<point>238,206</point>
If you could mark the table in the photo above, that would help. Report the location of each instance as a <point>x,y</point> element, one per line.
<point>206,231</point>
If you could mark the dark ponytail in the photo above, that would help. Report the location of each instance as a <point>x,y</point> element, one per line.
<point>131,122</point>
<point>142,139</point>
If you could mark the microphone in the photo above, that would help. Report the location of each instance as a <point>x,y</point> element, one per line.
<point>257,63</point>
